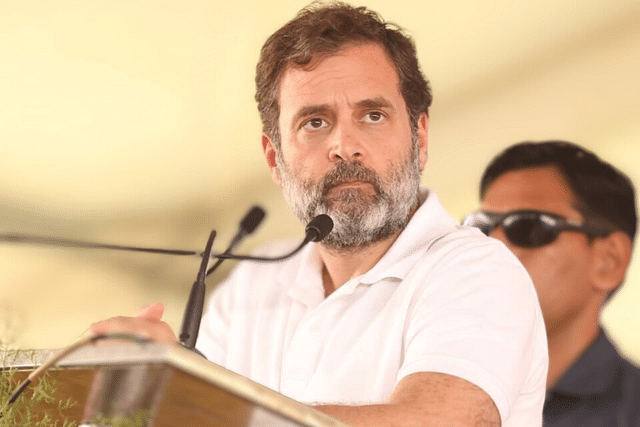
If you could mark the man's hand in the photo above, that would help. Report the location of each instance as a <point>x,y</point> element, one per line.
<point>146,323</point>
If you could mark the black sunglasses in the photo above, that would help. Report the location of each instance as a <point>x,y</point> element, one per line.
<point>529,228</point>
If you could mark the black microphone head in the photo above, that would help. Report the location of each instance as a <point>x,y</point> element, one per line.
<point>318,228</point>
<point>252,219</point>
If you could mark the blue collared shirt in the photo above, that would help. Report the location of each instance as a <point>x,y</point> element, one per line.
<point>600,389</point>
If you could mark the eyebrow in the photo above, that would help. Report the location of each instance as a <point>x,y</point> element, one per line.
<point>370,103</point>
<point>310,110</point>
<point>378,102</point>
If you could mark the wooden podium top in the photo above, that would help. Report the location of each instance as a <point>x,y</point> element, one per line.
<point>186,389</point>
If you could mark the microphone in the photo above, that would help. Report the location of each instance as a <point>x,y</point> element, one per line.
<point>317,229</point>
<point>249,223</point>
<point>195,304</point>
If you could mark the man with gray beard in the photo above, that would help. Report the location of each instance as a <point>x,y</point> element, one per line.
<point>399,317</point>
<point>359,219</point>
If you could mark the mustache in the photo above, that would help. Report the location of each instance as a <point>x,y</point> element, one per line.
<point>345,172</point>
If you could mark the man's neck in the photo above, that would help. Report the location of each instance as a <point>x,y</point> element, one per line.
<point>568,344</point>
<point>340,266</point>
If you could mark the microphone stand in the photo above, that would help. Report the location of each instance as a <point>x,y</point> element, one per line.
<point>315,231</point>
<point>195,303</point>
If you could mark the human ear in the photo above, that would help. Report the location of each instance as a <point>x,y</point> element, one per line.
<point>270,152</point>
<point>423,138</point>
<point>612,255</point>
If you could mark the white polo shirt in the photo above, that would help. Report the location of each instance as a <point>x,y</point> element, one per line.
<point>444,298</point>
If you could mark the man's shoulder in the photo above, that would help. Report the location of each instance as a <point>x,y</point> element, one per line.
<point>473,262</point>
<point>631,369</point>
<point>601,388</point>
<point>601,369</point>
<point>470,244</point>
<point>630,375</point>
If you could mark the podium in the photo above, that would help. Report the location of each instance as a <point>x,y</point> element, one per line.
<point>175,387</point>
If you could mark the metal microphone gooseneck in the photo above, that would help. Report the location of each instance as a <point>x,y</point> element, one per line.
<point>317,229</point>
<point>195,303</point>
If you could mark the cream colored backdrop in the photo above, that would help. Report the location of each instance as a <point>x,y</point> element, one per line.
<point>133,122</point>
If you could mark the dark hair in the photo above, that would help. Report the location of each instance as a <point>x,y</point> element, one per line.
<point>320,30</point>
<point>603,193</point>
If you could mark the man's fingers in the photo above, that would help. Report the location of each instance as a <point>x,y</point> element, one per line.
<point>152,329</point>
<point>145,324</point>
<point>151,312</point>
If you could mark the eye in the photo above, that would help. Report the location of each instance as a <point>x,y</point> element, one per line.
<point>315,123</point>
<point>373,117</point>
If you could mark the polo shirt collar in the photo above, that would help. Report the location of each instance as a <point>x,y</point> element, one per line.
<point>302,275</point>
<point>429,222</point>
<point>579,380</point>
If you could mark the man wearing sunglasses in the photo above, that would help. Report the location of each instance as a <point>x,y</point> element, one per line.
<point>571,219</point>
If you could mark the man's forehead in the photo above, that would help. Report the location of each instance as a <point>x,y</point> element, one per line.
<point>361,75</point>
<point>531,188</point>
<point>533,179</point>
<point>315,59</point>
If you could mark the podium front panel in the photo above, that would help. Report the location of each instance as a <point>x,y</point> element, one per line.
<point>183,388</point>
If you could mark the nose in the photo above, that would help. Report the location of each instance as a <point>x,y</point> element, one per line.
<point>346,145</point>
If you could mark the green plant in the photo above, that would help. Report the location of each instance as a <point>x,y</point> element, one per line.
<point>139,418</point>
<point>25,412</point>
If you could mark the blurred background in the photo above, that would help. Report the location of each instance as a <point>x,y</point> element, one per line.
<point>134,123</point>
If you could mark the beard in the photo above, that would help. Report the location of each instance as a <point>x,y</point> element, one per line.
<point>361,215</point>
